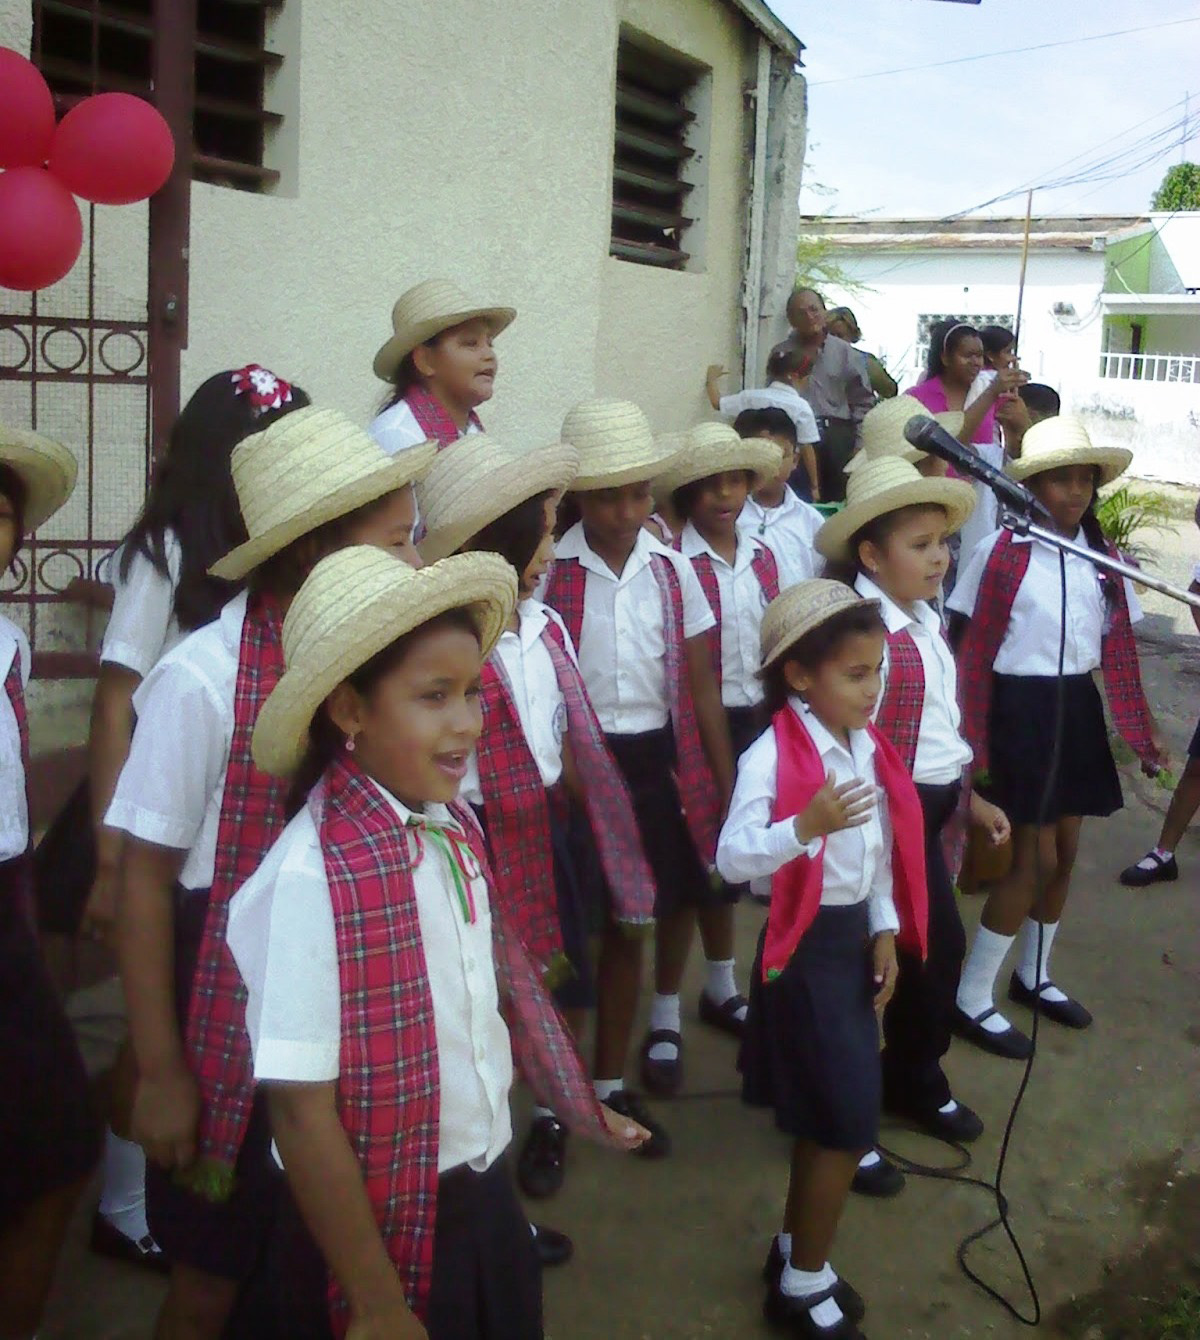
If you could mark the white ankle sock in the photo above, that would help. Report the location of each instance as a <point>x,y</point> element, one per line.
<point>1155,857</point>
<point>978,983</point>
<point>720,986</point>
<point>605,1088</point>
<point>537,1112</point>
<point>664,1013</point>
<point>870,1159</point>
<point>800,1283</point>
<point>123,1194</point>
<point>784,1242</point>
<point>1028,970</point>
<point>946,1110</point>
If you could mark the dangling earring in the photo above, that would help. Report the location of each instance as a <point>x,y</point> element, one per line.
<point>349,744</point>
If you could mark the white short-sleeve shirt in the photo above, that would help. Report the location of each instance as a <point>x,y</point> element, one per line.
<point>282,937</point>
<point>790,532</point>
<point>142,627</point>
<point>170,790</point>
<point>541,710</point>
<point>776,395</point>
<point>14,805</point>
<point>1031,640</point>
<point>857,863</point>
<point>396,428</point>
<point>622,650</point>
<point>742,606</point>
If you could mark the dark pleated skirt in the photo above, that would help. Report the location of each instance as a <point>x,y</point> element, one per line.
<point>811,1047</point>
<point>1022,722</point>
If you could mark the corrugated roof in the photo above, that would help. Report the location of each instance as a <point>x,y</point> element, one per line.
<point>1047,232</point>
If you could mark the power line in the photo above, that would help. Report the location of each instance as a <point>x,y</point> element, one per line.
<point>1011,51</point>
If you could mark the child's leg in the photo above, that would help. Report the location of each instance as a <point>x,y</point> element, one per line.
<point>29,1250</point>
<point>1033,971</point>
<point>816,1198</point>
<point>618,982</point>
<point>122,1206</point>
<point>197,1305</point>
<point>1182,809</point>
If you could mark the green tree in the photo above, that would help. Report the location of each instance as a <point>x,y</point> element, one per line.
<point>1180,188</point>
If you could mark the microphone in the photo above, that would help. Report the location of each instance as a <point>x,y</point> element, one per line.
<point>929,436</point>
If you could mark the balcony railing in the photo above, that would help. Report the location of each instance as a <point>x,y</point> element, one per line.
<point>1151,367</point>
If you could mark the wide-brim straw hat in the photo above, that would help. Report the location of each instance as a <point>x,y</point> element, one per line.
<point>885,485</point>
<point>712,449</point>
<point>353,604</point>
<point>425,310</point>
<point>615,445</point>
<point>46,468</point>
<point>1062,441</point>
<point>476,480</point>
<point>309,467</point>
<point>801,608</point>
<point>887,436</point>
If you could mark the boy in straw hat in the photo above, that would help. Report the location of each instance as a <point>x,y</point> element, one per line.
<point>198,816</point>
<point>49,1134</point>
<point>541,777</point>
<point>439,364</point>
<point>893,537</point>
<point>392,1124</point>
<point>638,615</point>
<point>1020,666</point>
<point>825,808</point>
<point>708,484</point>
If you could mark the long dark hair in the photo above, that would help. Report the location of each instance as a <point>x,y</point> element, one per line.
<point>944,338</point>
<point>12,486</point>
<point>517,535</point>
<point>191,493</point>
<point>325,741</point>
<point>406,375</point>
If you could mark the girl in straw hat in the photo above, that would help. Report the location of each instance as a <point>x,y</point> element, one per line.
<point>637,613</point>
<point>46,1123</point>
<point>378,890</point>
<point>774,514</point>
<point>198,816</point>
<point>893,535</point>
<point>541,778</point>
<point>162,591</point>
<point>1012,680</point>
<point>825,808</point>
<point>439,364</point>
<point>708,485</point>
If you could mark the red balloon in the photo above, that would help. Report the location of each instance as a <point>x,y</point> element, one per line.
<point>40,229</point>
<point>26,112</point>
<point>113,149</point>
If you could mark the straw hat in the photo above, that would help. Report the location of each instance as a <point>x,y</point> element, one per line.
<point>307,468</point>
<point>476,480</point>
<point>1063,440</point>
<point>801,608</point>
<point>46,469</point>
<point>884,485</point>
<point>355,603</point>
<point>711,449</point>
<point>615,445</point>
<point>424,311</point>
<point>885,437</point>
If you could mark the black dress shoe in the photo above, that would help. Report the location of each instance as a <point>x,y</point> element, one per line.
<point>725,1017</point>
<point>663,1079</point>
<point>883,1180</point>
<point>1162,872</point>
<point>552,1247</point>
<point>1012,1043</point>
<point>795,1314</point>
<point>845,1295</point>
<point>108,1240</point>
<point>542,1164</point>
<point>630,1105</point>
<point>1070,1013</point>
<point>962,1126</point>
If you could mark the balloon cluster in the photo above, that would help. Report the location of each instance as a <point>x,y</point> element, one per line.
<point>111,149</point>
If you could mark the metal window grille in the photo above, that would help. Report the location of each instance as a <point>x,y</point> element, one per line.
<point>927,322</point>
<point>95,45</point>
<point>651,155</point>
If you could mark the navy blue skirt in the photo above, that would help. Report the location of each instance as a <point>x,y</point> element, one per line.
<point>811,1047</point>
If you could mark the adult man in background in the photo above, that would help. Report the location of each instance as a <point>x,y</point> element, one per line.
<point>842,322</point>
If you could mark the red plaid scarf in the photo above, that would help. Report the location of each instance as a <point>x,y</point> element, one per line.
<point>252,817</point>
<point>519,819</point>
<point>765,569</point>
<point>1002,577</point>
<point>14,686</point>
<point>697,788</point>
<point>899,713</point>
<point>434,419</point>
<point>387,1090</point>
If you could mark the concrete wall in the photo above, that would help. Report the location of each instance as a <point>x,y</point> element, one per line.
<point>1158,421</point>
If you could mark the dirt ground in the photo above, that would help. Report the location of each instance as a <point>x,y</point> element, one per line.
<point>1103,1177</point>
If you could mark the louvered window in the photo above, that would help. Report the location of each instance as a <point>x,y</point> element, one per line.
<point>86,46</point>
<point>653,159</point>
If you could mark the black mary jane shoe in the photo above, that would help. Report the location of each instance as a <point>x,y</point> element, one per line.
<point>724,1018</point>
<point>881,1180</point>
<point>963,1126</point>
<point>663,1079</point>
<point>541,1166</point>
<point>1070,1013</point>
<point>1162,872</point>
<point>795,1314</point>
<point>1011,1044</point>
<point>107,1240</point>
<point>845,1295</point>
<point>551,1247</point>
<point>629,1105</point>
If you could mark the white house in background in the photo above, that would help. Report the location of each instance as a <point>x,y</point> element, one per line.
<point>1111,313</point>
